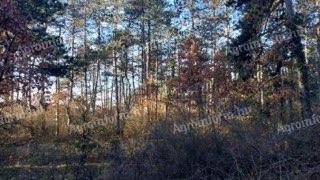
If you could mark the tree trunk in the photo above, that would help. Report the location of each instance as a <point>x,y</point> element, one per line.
<point>318,58</point>
<point>95,86</point>
<point>85,60</point>
<point>301,61</point>
<point>117,94</point>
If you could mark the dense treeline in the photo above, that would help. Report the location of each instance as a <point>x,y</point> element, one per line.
<point>161,89</point>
